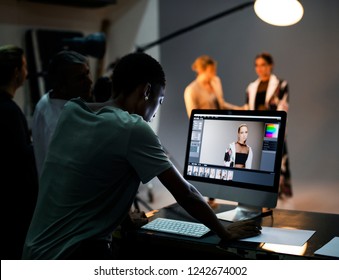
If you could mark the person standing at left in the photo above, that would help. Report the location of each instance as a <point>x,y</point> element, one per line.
<point>205,91</point>
<point>19,180</point>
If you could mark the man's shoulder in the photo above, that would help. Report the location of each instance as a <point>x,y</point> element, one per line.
<point>41,102</point>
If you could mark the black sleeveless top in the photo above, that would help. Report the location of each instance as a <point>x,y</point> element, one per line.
<point>240,158</point>
<point>261,96</point>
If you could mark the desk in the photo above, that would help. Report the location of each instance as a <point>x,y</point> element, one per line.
<point>143,244</point>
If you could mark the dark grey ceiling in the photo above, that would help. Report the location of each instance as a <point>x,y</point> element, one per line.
<point>77,3</point>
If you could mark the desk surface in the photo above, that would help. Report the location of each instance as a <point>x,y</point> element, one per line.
<point>155,245</point>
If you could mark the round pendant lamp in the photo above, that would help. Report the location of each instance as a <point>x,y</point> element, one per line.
<point>279,12</point>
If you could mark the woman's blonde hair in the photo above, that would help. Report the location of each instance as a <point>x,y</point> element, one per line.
<point>202,62</point>
<point>242,125</point>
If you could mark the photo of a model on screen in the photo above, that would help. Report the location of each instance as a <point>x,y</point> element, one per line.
<point>239,154</point>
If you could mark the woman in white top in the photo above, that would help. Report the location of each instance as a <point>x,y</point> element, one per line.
<point>269,92</point>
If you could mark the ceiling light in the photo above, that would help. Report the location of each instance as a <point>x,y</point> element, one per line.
<point>279,12</point>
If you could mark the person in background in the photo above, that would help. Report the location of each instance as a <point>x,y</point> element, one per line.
<point>19,181</point>
<point>205,91</point>
<point>102,89</point>
<point>69,76</point>
<point>239,154</point>
<point>94,166</point>
<point>268,92</point>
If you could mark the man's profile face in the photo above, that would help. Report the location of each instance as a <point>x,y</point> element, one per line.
<point>22,72</point>
<point>156,98</point>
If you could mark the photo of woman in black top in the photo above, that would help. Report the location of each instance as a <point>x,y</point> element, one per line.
<point>239,154</point>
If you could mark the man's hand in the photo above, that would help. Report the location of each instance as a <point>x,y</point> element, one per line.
<point>134,220</point>
<point>138,218</point>
<point>243,229</point>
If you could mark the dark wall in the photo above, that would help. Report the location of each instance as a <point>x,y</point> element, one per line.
<point>306,54</point>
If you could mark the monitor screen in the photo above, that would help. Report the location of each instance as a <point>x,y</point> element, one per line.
<point>236,155</point>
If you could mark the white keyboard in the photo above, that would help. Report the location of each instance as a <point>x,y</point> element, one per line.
<point>190,229</point>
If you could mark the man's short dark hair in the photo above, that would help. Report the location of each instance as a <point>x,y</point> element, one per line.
<point>10,59</point>
<point>60,63</point>
<point>134,69</point>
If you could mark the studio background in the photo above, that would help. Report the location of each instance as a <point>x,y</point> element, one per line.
<point>306,54</point>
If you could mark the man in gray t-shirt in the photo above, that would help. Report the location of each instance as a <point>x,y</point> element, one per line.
<point>96,161</point>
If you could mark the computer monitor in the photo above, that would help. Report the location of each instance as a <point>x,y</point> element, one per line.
<point>235,155</point>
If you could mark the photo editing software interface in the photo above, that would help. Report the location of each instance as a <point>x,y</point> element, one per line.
<point>216,140</point>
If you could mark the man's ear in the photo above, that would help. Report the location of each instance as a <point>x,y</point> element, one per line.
<point>147,91</point>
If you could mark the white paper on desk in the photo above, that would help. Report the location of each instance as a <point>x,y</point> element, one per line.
<point>285,236</point>
<point>330,249</point>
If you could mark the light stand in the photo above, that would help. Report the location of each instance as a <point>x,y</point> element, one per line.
<point>274,12</point>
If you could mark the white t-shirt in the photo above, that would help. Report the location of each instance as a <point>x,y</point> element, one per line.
<point>45,118</point>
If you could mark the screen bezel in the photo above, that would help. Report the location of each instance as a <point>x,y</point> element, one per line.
<point>251,113</point>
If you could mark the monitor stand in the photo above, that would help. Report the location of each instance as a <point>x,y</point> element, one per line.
<point>242,212</point>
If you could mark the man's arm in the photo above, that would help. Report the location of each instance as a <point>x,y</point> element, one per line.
<point>192,201</point>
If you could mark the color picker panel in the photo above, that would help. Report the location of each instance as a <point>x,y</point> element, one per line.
<point>271,130</point>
